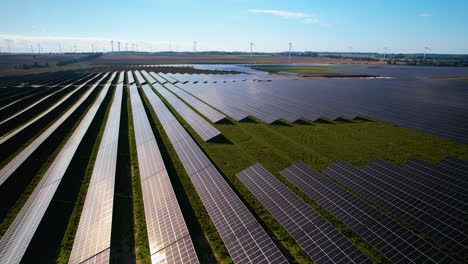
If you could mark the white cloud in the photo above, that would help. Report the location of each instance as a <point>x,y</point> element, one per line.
<point>283,14</point>
<point>424,15</point>
<point>311,20</point>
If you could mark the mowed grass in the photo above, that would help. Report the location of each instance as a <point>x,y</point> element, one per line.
<point>276,69</point>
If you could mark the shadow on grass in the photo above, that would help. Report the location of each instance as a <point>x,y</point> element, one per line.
<point>220,139</point>
<point>248,119</point>
<point>303,121</point>
<point>280,122</point>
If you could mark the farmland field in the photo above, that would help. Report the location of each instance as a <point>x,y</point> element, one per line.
<point>146,159</point>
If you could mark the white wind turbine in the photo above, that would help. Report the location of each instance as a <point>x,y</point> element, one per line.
<point>251,48</point>
<point>290,50</point>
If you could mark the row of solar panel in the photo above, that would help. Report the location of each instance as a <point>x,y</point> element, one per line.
<point>323,243</point>
<point>19,234</point>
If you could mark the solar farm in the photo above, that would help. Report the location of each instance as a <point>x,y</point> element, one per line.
<point>206,163</point>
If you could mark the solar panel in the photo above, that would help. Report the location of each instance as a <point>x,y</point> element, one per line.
<point>212,114</point>
<point>389,237</point>
<point>57,104</point>
<point>121,77</point>
<point>94,230</point>
<point>101,258</point>
<point>434,171</point>
<point>418,195</point>
<point>160,79</point>
<point>18,236</point>
<point>202,127</point>
<point>130,78</point>
<point>458,176</point>
<point>424,221</point>
<point>446,197</point>
<point>14,164</point>
<point>168,236</point>
<point>455,163</point>
<point>435,178</point>
<point>319,239</point>
<point>140,78</point>
<point>245,239</point>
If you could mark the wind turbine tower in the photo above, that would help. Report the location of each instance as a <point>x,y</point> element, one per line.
<point>195,47</point>
<point>290,50</point>
<point>9,48</point>
<point>32,49</point>
<point>350,50</point>
<point>251,48</point>
<point>118,45</point>
<point>385,52</point>
<point>39,49</point>
<point>425,52</point>
<point>112,45</point>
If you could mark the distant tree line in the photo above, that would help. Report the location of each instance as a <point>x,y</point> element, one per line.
<point>76,60</point>
<point>30,66</point>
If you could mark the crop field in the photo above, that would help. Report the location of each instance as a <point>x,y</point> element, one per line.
<point>156,163</point>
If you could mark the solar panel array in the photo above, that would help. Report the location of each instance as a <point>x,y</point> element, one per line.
<point>14,164</point>
<point>57,104</point>
<point>417,211</point>
<point>396,242</point>
<point>396,101</point>
<point>34,104</point>
<point>208,111</point>
<point>168,236</point>
<point>94,230</point>
<point>244,237</point>
<point>455,163</point>
<point>19,234</point>
<point>202,127</point>
<point>319,239</point>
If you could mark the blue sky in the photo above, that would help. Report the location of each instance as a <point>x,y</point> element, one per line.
<point>326,25</point>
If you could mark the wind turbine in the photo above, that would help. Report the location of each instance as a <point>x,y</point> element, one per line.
<point>425,52</point>
<point>195,47</point>
<point>118,44</point>
<point>74,45</point>
<point>39,48</point>
<point>126,46</point>
<point>251,48</point>
<point>385,52</point>
<point>112,45</point>
<point>350,50</point>
<point>32,49</point>
<point>290,50</point>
